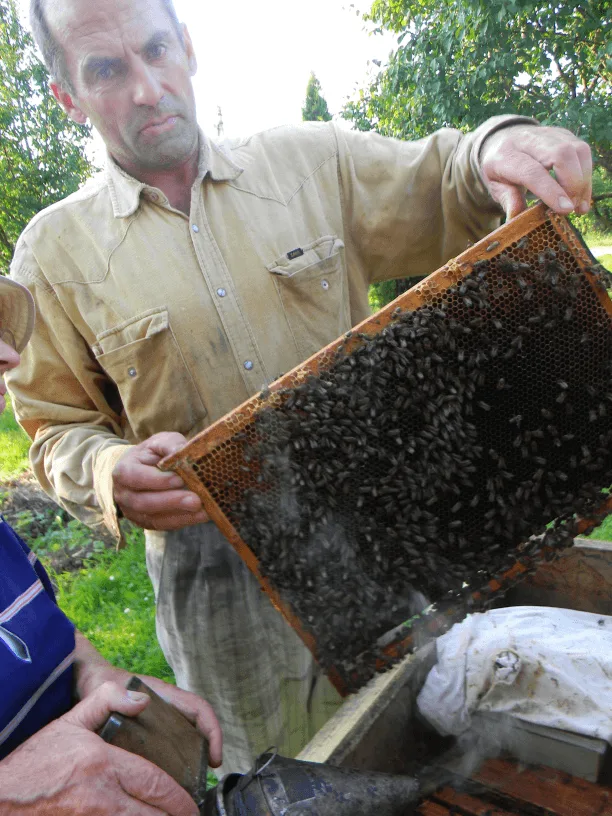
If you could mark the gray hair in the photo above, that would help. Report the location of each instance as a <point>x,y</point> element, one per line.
<point>52,52</point>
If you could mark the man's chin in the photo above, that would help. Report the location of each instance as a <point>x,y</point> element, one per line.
<point>167,149</point>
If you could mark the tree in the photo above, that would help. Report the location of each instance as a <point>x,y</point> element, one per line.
<point>42,156</point>
<point>315,107</point>
<point>461,61</point>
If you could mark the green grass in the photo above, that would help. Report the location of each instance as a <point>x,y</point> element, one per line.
<point>606,260</point>
<point>14,446</point>
<point>604,531</point>
<point>111,602</point>
<point>596,237</point>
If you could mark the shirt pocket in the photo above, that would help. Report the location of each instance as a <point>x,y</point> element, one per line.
<point>141,356</point>
<point>312,288</point>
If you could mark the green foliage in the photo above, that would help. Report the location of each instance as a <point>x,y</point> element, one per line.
<point>41,151</point>
<point>381,293</point>
<point>14,446</point>
<point>604,531</point>
<point>460,61</point>
<point>111,601</point>
<point>315,107</point>
<point>59,534</point>
<point>596,225</point>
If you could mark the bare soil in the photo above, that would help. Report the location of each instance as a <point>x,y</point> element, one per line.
<point>27,507</point>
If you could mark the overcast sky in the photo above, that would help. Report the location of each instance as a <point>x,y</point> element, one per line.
<point>255,57</point>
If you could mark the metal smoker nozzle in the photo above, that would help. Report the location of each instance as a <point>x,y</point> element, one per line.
<point>278,786</point>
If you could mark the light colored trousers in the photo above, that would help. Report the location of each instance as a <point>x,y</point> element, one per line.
<point>226,642</point>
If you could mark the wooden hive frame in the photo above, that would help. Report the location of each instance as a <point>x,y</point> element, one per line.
<point>220,439</point>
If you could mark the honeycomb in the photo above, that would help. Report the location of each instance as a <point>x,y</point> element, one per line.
<point>428,458</point>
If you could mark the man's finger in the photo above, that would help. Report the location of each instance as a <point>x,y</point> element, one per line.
<point>92,712</point>
<point>511,198</point>
<point>136,475</point>
<point>169,521</point>
<point>586,162</point>
<point>531,174</point>
<point>570,175</point>
<point>160,502</point>
<point>144,781</point>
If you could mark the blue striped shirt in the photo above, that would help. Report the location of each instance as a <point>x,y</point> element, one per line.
<point>36,645</point>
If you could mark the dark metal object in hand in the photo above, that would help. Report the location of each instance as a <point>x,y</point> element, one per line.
<point>165,737</point>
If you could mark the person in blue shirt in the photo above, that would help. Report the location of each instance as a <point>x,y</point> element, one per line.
<point>56,690</point>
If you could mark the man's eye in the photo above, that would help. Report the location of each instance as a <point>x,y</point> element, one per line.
<point>105,73</point>
<point>157,51</point>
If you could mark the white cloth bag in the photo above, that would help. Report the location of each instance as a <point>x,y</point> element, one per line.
<point>547,666</point>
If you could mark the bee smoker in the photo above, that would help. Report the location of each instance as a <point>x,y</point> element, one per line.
<point>276,786</point>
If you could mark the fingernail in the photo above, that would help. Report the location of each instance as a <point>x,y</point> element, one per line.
<point>190,502</point>
<point>585,206</point>
<point>136,696</point>
<point>565,203</point>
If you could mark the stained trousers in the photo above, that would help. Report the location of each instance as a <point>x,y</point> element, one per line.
<point>225,641</point>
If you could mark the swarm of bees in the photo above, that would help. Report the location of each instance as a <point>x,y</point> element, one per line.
<point>429,458</point>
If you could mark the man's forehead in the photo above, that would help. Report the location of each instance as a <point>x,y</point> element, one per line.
<point>77,18</point>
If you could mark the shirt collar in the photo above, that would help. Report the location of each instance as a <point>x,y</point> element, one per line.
<point>126,191</point>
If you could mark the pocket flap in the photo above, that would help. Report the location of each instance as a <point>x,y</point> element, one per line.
<point>310,255</point>
<point>136,328</point>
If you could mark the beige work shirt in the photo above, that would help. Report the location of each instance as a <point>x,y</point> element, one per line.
<point>149,320</point>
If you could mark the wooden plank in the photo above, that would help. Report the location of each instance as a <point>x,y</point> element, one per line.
<point>554,791</point>
<point>377,718</point>
<point>430,808</point>
<point>469,804</point>
<point>581,578</point>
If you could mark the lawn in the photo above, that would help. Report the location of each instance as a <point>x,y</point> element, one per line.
<point>111,601</point>
<point>14,446</point>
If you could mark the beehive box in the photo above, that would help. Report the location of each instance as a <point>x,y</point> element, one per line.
<point>378,729</point>
<point>433,455</point>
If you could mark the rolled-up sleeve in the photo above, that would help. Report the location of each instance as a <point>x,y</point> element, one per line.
<point>410,206</point>
<point>69,408</point>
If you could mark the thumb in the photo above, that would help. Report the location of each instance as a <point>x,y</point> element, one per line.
<point>92,712</point>
<point>164,444</point>
<point>510,197</point>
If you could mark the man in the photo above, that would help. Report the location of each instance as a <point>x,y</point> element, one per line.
<point>176,286</point>
<point>51,760</point>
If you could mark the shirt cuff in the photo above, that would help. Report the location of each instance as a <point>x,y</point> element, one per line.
<point>103,484</point>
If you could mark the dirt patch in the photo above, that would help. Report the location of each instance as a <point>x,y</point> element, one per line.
<point>35,516</point>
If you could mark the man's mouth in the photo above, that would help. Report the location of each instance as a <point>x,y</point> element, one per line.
<point>158,126</point>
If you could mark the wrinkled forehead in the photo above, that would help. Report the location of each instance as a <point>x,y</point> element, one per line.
<point>79,24</point>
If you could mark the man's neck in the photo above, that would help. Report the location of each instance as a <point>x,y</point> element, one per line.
<point>176,183</point>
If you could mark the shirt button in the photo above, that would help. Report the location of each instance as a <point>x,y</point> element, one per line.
<point>325,284</point>
<point>195,228</point>
<point>132,372</point>
<point>248,365</point>
<point>221,292</point>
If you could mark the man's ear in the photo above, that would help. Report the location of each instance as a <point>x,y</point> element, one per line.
<point>66,102</point>
<point>189,50</point>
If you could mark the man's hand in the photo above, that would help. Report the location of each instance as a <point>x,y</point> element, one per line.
<point>92,671</point>
<point>67,769</point>
<point>150,498</point>
<point>519,158</point>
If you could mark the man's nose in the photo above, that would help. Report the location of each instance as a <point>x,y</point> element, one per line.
<point>147,87</point>
<point>9,358</point>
